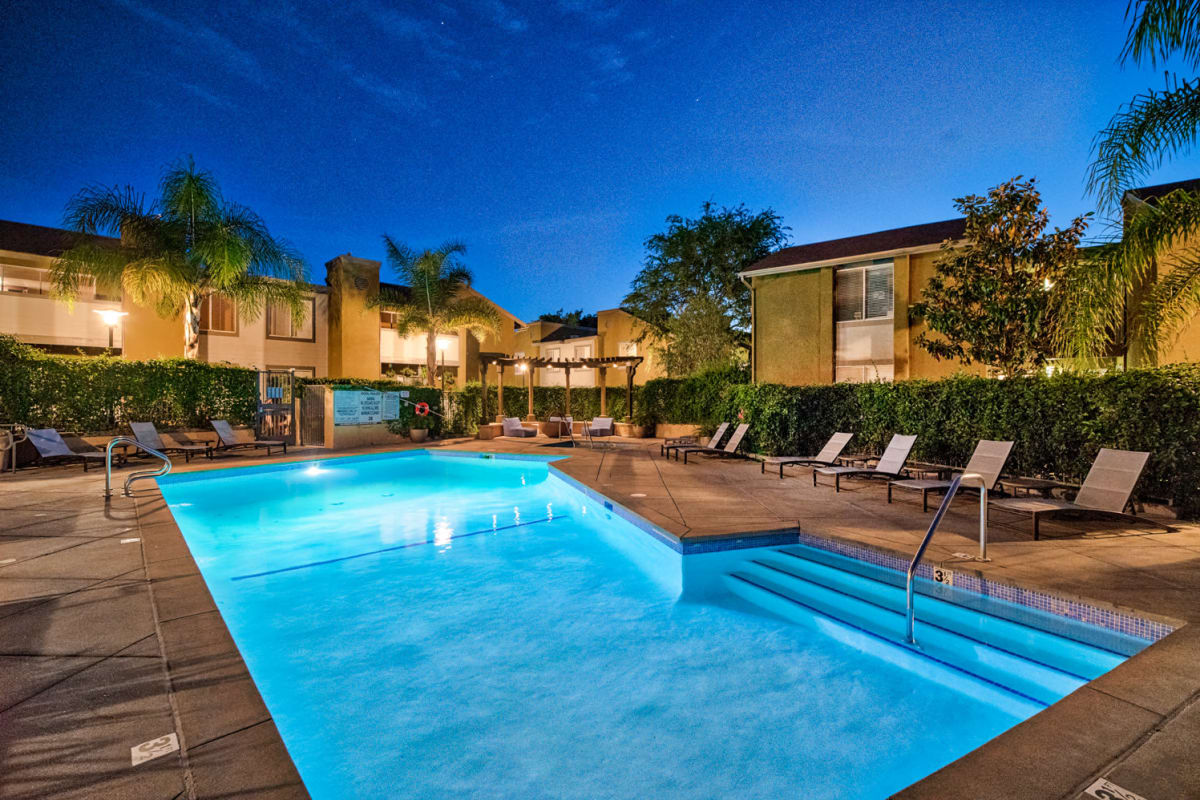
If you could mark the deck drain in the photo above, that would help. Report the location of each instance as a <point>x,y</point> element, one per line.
<point>153,749</point>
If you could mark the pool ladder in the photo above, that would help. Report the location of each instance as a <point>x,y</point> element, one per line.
<point>157,472</point>
<point>910,616</point>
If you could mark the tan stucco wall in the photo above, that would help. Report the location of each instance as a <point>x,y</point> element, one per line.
<point>614,326</point>
<point>920,364</point>
<point>148,335</point>
<point>1184,345</point>
<point>793,327</point>
<point>353,328</point>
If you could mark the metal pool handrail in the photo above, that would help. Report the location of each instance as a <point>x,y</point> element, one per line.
<point>133,476</point>
<point>933,526</point>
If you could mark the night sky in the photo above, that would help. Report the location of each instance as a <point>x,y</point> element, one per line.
<point>554,137</point>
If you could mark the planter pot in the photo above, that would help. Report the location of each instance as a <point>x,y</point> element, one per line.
<point>631,431</point>
<point>418,435</point>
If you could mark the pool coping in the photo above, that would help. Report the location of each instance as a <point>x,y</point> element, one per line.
<point>1055,753</point>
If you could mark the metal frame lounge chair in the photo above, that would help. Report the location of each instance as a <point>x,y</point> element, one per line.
<point>227,440</point>
<point>889,465</point>
<point>511,426</point>
<point>732,448</point>
<point>148,436</point>
<point>50,446</point>
<point>665,448</point>
<point>1105,490</point>
<point>988,460</point>
<point>826,458</point>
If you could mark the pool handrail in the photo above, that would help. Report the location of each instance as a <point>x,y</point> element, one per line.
<point>910,616</point>
<point>157,472</point>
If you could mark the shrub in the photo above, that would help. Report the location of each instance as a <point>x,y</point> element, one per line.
<point>94,394</point>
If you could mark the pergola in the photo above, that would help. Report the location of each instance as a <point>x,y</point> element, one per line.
<point>530,363</point>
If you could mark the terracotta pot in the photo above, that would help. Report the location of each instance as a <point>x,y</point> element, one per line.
<point>418,435</point>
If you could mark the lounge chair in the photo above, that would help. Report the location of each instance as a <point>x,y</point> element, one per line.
<point>988,460</point>
<point>890,464</point>
<point>51,447</point>
<point>512,427</point>
<point>732,448</point>
<point>665,448</point>
<point>147,436</point>
<point>1105,490</point>
<point>227,440</point>
<point>601,426</point>
<point>826,458</point>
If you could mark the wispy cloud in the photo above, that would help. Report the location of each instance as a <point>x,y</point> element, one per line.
<point>189,33</point>
<point>204,94</point>
<point>597,12</point>
<point>503,15</point>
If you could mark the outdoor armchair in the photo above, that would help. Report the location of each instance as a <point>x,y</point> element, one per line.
<point>512,427</point>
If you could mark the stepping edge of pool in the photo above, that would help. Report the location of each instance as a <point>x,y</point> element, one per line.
<point>1122,726</point>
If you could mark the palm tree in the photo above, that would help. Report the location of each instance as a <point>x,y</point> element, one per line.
<point>1151,128</point>
<point>436,298</point>
<point>178,250</point>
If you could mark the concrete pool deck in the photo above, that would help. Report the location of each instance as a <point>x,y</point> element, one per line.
<point>109,638</point>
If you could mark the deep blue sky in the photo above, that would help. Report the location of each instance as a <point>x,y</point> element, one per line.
<point>554,137</point>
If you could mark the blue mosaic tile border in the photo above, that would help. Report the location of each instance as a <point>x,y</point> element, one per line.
<point>968,580</point>
<point>682,546</point>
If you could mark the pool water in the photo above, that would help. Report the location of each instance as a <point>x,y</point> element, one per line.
<point>429,625</point>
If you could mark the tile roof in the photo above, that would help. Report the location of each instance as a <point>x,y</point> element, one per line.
<point>21,237</point>
<point>930,233</point>
<point>568,332</point>
<point>1162,189</point>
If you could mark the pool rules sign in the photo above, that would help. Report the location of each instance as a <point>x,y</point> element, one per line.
<point>357,407</point>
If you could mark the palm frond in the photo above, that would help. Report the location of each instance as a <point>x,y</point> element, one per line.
<point>254,293</point>
<point>1162,28</point>
<point>473,313</point>
<point>1153,126</point>
<point>1172,302</point>
<point>105,210</point>
<point>189,193</point>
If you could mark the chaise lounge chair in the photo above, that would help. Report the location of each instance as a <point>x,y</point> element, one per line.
<point>512,427</point>
<point>666,447</point>
<point>988,460</point>
<point>1105,490</point>
<point>732,448</point>
<point>228,440</point>
<point>826,458</point>
<point>889,465</point>
<point>147,436</point>
<point>51,447</point>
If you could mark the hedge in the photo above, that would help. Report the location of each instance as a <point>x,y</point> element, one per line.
<point>547,401</point>
<point>103,394</point>
<point>1058,422</point>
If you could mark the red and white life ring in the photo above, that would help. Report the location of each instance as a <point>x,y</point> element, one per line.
<point>421,409</point>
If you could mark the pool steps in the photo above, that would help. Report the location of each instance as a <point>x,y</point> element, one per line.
<point>1037,664</point>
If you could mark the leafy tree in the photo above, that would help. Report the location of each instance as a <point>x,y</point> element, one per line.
<point>575,318</point>
<point>699,338</point>
<point>993,299</point>
<point>701,258</point>
<point>177,250</point>
<point>436,299</point>
<point>1145,284</point>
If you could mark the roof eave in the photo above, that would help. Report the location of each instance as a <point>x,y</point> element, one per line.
<point>833,262</point>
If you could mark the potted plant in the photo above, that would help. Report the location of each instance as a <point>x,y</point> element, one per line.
<point>418,428</point>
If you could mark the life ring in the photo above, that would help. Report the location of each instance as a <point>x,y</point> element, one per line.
<point>421,409</point>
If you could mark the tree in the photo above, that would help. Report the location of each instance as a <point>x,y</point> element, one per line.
<point>699,338</point>
<point>576,318</point>
<point>1158,236</point>
<point>436,298</point>
<point>993,299</point>
<point>701,258</point>
<point>178,250</point>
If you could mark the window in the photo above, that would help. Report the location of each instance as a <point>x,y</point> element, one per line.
<point>24,280</point>
<point>217,315</point>
<point>863,291</point>
<point>282,325</point>
<point>387,319</point>
<point>583,351</point>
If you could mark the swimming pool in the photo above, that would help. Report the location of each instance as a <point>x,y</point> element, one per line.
<point>434,624</point>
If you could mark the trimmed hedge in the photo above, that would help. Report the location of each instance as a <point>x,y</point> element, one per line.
<point>1058,423</point>
<point>102,394</point>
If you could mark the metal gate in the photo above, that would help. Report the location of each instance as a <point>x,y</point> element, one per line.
<point>276,405</point>
<point>312,416</point>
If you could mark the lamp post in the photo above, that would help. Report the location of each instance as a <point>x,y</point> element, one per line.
<point>112,319</point>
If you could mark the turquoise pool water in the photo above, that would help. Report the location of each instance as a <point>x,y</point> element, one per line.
<point>426,625</point>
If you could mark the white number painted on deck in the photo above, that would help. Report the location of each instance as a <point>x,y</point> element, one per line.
<point>943,576</point>
<point>154,748</point>
<point>1106,790</point>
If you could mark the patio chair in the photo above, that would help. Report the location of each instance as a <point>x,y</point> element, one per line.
<point>512,427</point>
<point>732,448</point>
<point>826,458</point>
<point>988,460</point>
<point>601,426</point>
<point>665,448</point>
<point>147,436</point>
<point>50,446</point>
<point>228,440</point>
<point>889,465</point>
<point>1105,490</point>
